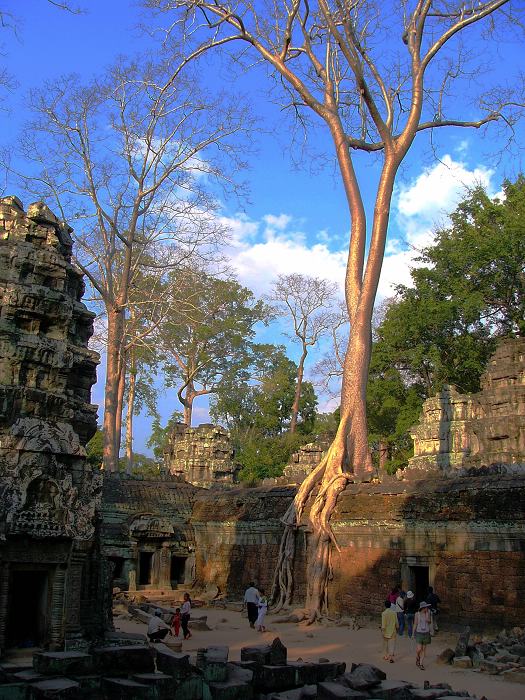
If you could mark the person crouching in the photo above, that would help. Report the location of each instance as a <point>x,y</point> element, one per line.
<point>157,628</point>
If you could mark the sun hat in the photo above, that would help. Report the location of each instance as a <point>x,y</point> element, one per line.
<point>410,594</point>
<point>424,605</point>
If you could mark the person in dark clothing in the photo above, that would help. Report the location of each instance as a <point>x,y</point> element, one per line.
<point>411,608</point>
<point>434,600</point>
<point>251,600</point>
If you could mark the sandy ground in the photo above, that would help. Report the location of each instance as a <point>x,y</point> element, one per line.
<point>342,644</point>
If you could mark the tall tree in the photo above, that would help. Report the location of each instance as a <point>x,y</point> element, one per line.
<point>308,303</point>
<point>373,77</point>
<point>207,335</point>
<point>123,157</point>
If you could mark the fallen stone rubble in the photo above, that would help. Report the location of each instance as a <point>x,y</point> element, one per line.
<point>503,655</point>
<point>155,672</point>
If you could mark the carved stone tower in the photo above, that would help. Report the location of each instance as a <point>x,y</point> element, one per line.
<point>48,490</point>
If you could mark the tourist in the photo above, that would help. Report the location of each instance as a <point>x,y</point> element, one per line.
<point>392,596</point>
<point>157,628</point>
<point>175,623</point>
<point>411,608</point>
<point>185,616</point>
<point>434,601</point>
<point>262,607</point>
<point>251,600</point>
<point>389,627</point>
<point>400,612</point>
<point>422,623</point>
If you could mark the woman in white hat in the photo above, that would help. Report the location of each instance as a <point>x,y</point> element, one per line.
<point>422,622</point>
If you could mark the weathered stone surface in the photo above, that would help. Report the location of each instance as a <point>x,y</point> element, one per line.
<point>55,689</point>
<point>273,654</point>
<point>392,690</point>
<point>62,662</point>
<point>462,662</point>
<point>363,677</point>
<point>276,678</point>
<point>445,657</point>
<point>462,643</point>
<point>428,694</point>
<point>476,430</point>
<point>128,659</point>
<point>49,492</point>
<point>202,456</point>
<point>13,691</point>
<point>125,689</point>
<point>514,676</point>
<point>328,690</point>
<point>173,664</point>
<point>231,690</point>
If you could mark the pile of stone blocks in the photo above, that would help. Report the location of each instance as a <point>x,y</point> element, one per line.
<point>502,656</point>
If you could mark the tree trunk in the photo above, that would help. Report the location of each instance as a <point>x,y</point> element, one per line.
<point>383,454</point>
<point>120,400</point>
<point>299,386</point>
<point>129,414</point>
<point>187,402</point>
<point>111,396</point>
<point>348,458</point>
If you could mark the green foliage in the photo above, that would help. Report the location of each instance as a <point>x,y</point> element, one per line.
<point>143,466</point>
<point>469,292</point>
<point>95,448</point>
<point>263,457</point>
<point>159,435</point>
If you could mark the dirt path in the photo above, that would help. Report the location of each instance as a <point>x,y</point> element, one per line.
<point>343,644</point>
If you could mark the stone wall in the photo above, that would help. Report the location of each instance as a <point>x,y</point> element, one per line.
<point>473,430</point>
<point>48,491</point>
<point>202,456</point>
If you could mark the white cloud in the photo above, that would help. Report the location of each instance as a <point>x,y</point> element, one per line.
<point>260,253</point>
<point>418,208</point>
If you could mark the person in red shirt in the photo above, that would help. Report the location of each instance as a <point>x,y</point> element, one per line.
<point>175,623</point>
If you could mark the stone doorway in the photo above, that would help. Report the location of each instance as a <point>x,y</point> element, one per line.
<point>145,561</point>
<point>177,570</point>
<point>419,581</point>
<point>28,610</point>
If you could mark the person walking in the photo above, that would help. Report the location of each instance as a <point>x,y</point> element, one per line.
<point>251,600</point>
<point>175,623</point>
<point>400,612</point>
<point>411,608</point>
<point>434,601</point>
<point>422,623</point>
<point>185,612</point>
<point>157,628</point>
<point>262,607</point>
<point>389,627</point>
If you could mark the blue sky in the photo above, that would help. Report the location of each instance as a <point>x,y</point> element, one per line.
<point>295,220</point>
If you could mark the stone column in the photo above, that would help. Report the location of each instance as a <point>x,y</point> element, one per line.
<point>4,593</point>
<point>73,629</point>
<point>189,569</point>
<point>57,609</point>
<point>165,566</point>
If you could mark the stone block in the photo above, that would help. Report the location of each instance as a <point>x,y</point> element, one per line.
<point>428,694</point>
<point>173,664</point>
<point>517,649</point>
<point>191,688</point>
<point>445,657</point>
<point>217,653</point>
<point>328,690</point>
<point>215,671</point>
<point>493,667</point>
<point>392,690</point>
<point>13,691</point>
<point>328,670</point>
<point>231,690</point>
<point>162,682</point>
<point>514,676</point>
<point>125,689</point>
<point>363,677</point>
<point>58,663</point>
<point>90,687</point>
<point>273,654</point>
<point>239,674</point>
<point>462,643</point>
<point>306,673</point>
<point>124,660</point>
<point>54,689</point>
<point>28,676</point>
<point>462,662</point>
<point>276,678</point>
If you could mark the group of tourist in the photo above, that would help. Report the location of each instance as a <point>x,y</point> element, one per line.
<point>420,618</point>
<point>158,629</point>
<point>256,604</point>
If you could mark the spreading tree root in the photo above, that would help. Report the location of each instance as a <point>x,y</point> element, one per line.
<point>331,479</point>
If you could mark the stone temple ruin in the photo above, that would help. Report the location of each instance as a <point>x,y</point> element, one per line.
<point>67,536</point>
<point>48,491</point>
<point>202,456</point>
